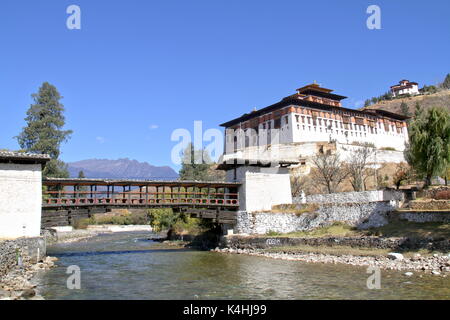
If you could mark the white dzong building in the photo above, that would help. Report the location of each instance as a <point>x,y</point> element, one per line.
<point>313,118</point>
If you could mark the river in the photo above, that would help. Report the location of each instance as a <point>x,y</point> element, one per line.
<point>128,266</point>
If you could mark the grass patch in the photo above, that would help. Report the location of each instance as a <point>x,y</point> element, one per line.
<point>297,209</point>
<point>337,229</point>
<point>412,230</point>
<point>399,229</point>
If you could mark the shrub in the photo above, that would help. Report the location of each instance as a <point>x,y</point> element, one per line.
<point>442,195</point>
<point>271,233</point>
<point>162,219</point>
<point>121,219</point>
<point>83,223</point>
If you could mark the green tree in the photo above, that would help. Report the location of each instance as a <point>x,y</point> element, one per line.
<point>405,109</point>
<point>81,175</point>
<point>44,131</point>
<point>429,149</point>
<point>446,83</point>
<point>196,165</point>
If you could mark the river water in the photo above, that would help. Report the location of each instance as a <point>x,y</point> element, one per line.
<point>128,266</point>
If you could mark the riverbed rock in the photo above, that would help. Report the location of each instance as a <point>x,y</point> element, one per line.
<point>436,273</point>
<point>408,274</point>
<point>395,256</point>
<point>28,293</point>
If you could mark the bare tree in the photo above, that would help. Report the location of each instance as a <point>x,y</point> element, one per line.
<point>298,184</point>
<point>358,165</point>
<point>329,171</point>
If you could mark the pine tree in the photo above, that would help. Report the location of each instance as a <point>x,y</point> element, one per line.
<point>429,149</point>
<point>446,83</point>
<point>196,164</point>
<point>405,109</point>
<point>81,175</point>
<point>44,132</point>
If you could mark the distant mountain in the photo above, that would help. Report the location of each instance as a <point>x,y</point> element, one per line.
<point>120,169</point>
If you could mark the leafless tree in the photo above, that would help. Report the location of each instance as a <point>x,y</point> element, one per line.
<point>358,166</point>
<point>298,183</point>
<point>329,171</point>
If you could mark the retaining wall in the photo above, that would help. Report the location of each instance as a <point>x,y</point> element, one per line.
<point>30,249</point>
<point>355,197</point>
<point>240,242</point>
<point>424,216</point>
<point>361,215</point>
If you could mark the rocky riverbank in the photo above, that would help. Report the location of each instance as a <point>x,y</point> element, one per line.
<point>53,237</point>
<point>435,264</point>
<point>20,283</point>
<point>75,235</point>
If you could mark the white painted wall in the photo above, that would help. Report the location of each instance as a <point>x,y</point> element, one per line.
<point>306,150</point>
<point>414,90</point>
<point>304,131</point>
<point>262,188</point>
<point>20,200</point>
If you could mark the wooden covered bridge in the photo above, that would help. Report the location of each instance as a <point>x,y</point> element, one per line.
<point>65,200</point>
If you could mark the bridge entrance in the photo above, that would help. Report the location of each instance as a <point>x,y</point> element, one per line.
<point>65,200</point>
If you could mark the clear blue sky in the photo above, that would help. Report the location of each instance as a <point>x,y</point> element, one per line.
<point>139,69</point>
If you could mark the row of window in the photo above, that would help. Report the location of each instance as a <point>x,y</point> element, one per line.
<point>329,124</point>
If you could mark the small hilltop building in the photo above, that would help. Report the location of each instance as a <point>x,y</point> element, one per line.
<point>405,87</point>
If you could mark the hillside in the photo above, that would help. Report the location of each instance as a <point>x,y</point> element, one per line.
<point>120,169</point>
<point>441,98</point>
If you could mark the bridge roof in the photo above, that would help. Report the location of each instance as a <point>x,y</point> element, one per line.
<point>138,183</point>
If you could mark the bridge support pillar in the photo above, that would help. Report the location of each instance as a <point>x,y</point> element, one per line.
<point>261,187</point>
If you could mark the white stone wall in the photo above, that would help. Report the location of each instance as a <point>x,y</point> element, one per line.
<point>306,150</point>
<point>20,200</point>
<point>355,197</point>
<point>262,188</point>
<point>360,215</point>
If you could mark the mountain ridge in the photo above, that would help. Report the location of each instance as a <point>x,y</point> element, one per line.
<point>123,168</point>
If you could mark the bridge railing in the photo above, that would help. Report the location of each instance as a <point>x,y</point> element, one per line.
<point>80,198</point>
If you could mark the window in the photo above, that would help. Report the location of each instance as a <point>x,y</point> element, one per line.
<point>286,120</point>
<point>247,139</point>
<point>277,123</point>
<point>297,117</point>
